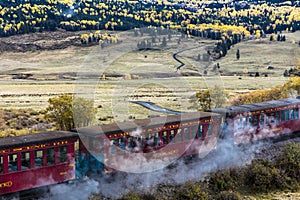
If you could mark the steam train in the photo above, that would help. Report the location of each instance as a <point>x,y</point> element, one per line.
<point>32,161</point>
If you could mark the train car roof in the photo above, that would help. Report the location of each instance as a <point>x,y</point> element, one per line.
<point>141,123</point>
<point>231,110</point>
<point>35,138</point>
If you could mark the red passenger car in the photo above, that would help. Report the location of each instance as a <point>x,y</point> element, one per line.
<point>152,139</point>
<point>32,161</point>
<point>251,122</point>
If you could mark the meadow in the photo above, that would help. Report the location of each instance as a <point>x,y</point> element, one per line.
<point>146,75</point>
<point>257,55</point>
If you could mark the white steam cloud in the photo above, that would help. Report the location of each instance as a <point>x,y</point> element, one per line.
<point>75,191</point>
<point>226,155</point>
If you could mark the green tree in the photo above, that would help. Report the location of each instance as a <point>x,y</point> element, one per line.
<point>83,111</point>
<point>164,42</point>
<point>207,99</point>
<point>201,100</point>
<point>218,96</point>
<point>278,38</point>
<point>238,54</point>
<point>69,112</point>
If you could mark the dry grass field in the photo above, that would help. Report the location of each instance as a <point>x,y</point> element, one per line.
<point>171,93</point>
<point>139,75</point>
<point>257,55</point>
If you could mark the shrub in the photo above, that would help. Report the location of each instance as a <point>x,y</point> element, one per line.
<point>228,195</point>
<point>190,191</point>
<point>224,180</point>
<point>262,176</point>
<point>149,197</point>
<point>131,196</point>
<point>288,161</point>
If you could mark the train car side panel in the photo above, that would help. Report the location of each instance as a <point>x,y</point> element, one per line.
<point>27,166</point>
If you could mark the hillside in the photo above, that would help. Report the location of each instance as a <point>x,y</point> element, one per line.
<point>59,39</point>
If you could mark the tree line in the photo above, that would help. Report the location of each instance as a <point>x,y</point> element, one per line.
<point>17,17</point>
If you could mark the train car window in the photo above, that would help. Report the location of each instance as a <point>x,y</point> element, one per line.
<point>12,162</point>
<point>296,110</point>
<point>164,137</point>
<point>209,130</point>
<point>267,118</point>
<point>156,139</point>
<point>1,165</point>
<point>149,140</point>
<point>250,118</point>
<point>63,154</point>
<point>277,116</point>
<point>122,142</point>
<point>25,160</point>
<point>50,155</point>
<point>113,146</point>
<point>131,143</point>
<point>253,120</point>
<point>287,114</point>
<point>140,142</point>
<point>282,116</point>
<point>239,123</point>
<point>292,114</point>
<point>194,131</point>
<point>200,131</point>
<point>271,118</point>
<point>242,122</point>
<point>179,135</point>
<point>128,144</point>
<point>186,133</point>
<point>39,154</point>
<point>172,135</point>
<point>262,119</point>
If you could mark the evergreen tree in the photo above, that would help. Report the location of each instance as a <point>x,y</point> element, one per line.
<point>238,54</point>
<point>278,38</point>
<point>164,42</point>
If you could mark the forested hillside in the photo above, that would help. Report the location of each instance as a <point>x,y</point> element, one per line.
<point>228,23</point>
<point>25,16</point>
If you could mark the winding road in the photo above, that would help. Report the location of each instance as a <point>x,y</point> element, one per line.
<point>153,106</point>
<point>182,63</point>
